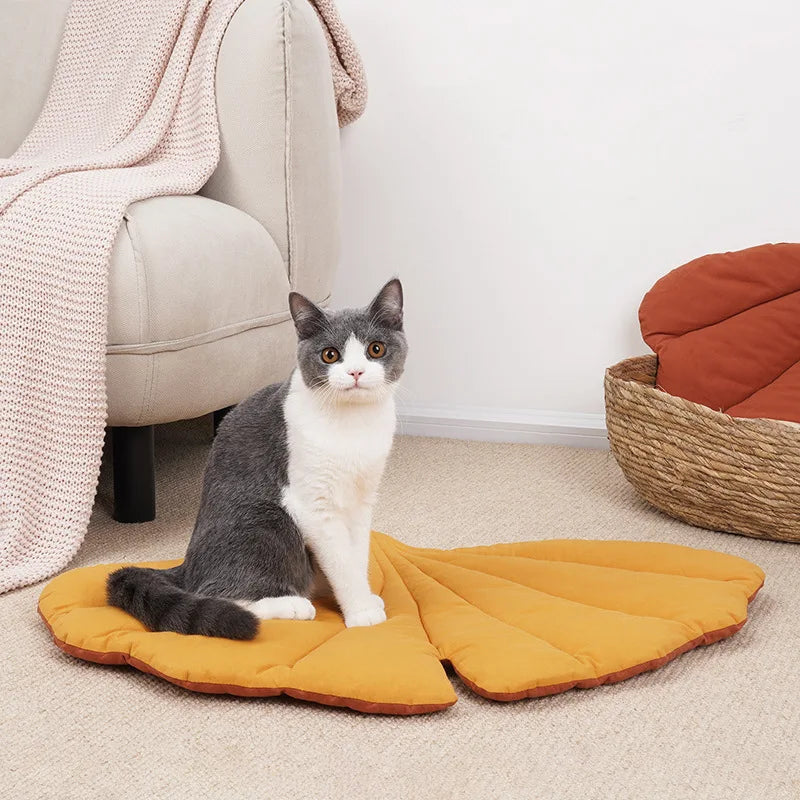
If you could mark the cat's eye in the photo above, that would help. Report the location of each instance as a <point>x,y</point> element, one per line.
<point>330,355</point>
<point>377,349</point>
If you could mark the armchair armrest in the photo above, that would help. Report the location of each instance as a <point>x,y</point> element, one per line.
<point>280,159</point>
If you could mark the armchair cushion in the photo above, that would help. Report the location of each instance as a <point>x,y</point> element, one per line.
<point>188,270</point>
<point>197,315</point>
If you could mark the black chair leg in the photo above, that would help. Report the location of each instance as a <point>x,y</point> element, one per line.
<point>134,474</point>
<point>220,415</point>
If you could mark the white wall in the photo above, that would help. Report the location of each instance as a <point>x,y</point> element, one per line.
<point>529,169</point>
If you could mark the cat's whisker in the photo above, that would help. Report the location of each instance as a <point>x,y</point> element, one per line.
<point>403,392</point>
<point>328,397</point>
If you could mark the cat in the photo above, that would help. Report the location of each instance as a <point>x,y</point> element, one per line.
<point>289,487</point>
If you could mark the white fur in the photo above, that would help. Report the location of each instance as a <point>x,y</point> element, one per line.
<point>338,447</point>
<point>369,386</point>
<point>286,607</point>
<point>354,357</point>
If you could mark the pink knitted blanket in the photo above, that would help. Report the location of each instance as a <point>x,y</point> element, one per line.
<point>131,114</point>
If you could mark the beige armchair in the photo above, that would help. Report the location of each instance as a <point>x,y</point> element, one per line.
<point>198,316</point>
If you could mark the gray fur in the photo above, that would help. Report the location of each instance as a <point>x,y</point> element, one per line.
<point>154,597</point>
<point>380,321</point>
<point>244,545</point>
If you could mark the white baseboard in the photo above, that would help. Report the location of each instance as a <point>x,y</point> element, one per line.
<point>505,425</point>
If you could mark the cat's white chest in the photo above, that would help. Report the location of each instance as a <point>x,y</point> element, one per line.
<point>336,456</point>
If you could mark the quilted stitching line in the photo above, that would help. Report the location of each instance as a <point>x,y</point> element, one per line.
<point>491,616</point>
<point>733,316</point>
<point>305,655</point>
<point>410,594</point>
<point>560,597</point>
<point>480,549</point>
<point>725,319</point>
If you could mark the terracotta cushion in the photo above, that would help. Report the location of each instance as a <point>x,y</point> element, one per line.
<point>726,329</point>
<point>514,620</point>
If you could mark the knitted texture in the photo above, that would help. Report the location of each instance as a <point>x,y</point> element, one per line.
<point>131,114</point>
<point>349,80</point>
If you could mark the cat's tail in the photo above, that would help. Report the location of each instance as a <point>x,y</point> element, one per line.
<point>157,602</point>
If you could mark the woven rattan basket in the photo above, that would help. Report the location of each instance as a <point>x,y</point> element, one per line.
<point>699,465</point>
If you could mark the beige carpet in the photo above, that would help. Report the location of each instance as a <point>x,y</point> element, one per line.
<point>720,722</point>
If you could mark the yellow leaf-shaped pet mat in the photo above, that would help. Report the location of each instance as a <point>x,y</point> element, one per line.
<point>514,620</point>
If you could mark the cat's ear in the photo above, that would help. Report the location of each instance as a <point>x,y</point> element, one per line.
<point>309,319</point>
<point>387,307</point>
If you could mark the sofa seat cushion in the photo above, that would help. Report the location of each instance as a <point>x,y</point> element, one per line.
<point>185,271</point>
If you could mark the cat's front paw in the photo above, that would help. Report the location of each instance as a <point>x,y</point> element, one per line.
<point>371,614</point>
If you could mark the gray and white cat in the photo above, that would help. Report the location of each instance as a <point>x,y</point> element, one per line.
<point>289,487</point>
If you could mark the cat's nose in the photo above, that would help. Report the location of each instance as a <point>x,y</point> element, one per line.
<point>356,373</point>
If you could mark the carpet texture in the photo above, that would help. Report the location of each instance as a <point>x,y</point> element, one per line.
<point>720,722</point>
